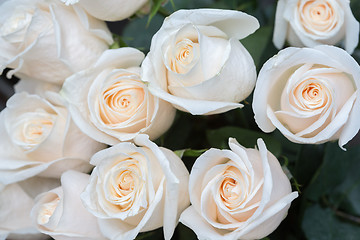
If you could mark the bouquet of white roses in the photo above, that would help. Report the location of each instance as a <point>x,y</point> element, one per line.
<point>185,124</point>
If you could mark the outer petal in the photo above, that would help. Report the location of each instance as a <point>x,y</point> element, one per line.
<point>281,25</point>
<point>15,211</point>
<point>268,75</point>
<point>106,10</point>
<point>191,218</point>
<point>176,175</point>
<point>351,28</point>
<point>75,222</point>
<point>234,23</point>
<point>239,72</point>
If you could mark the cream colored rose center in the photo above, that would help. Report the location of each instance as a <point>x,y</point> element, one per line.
<point>18,21</point>
<point>184,55</point>
<point>124,183</point>
<point>318,16</point>
<point>120,101</point>
<point>232,188</point>
<point>47,210</point>
<point>229,190</point>
<point>311,95</point>
<point>32,129</point>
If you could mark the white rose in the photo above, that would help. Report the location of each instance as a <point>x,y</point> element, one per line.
<point>136,189</point>
<point>109,10</point>
<point>314,22</point>
<point>39,138</point>
<point>16,202</point>
<point>110,103</point>
<point>45,40</point>
<point>197,63</point>
<point>61,214</point>
<point>310,95</point>
<point>240,193</point>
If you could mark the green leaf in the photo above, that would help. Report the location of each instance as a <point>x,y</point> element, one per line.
<point>308,162</point>
<point>118,42</point>
<point>184,233</point>
<point>155,234</point>
<point>137,35</point>
<point>155,8</point>
<point>219,138</point>
<point>338,177</point>
<point>322,224</point>
<point>189,152</point>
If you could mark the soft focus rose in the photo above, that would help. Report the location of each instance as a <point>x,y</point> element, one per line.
<point>315,22</point>
<point>48,41</point>
<point>237,194</point>
<point>310,95</point>
<point>16,201</point>
<point>39,138</point>
<point>136,189</point>
<point>61,214</point>
<point>197,63</point>
<point>110,103</point>
<point>33,86</point>
<point>109,10</point>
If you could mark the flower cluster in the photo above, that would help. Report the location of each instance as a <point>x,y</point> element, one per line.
<point>77,153</point>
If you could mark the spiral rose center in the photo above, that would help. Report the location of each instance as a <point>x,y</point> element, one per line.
<point>230,189</point>
<point>311,95</point>
<point>32,129</point>
<point>318,16</point>
<point>184,51</point>
<point>183,56</point>
<point>47,210</point>
<point>126,182</point>
<point>18,21</point>
<point>120,101</point>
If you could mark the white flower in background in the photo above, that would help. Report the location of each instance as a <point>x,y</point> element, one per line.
<point>60,213</point>
<point>314,22</point>
<point>310,94</point>
<point>39,138</point>
<point>48,41</point>
<point>240,193</point>
<point>110,103</point>
<point>16,202</point>
<point>136,189</point>
<point>109,10</point>
<point>197,63</point>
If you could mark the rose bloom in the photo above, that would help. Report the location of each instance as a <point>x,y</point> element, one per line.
<point>310,95</point>
<point>109,10</point>
<point>314,22</point>
<point>46,40</point>
<point>38,137</point>
<point>60,213</point>
<point>239,193</point>
<point>197,63</point>
<point>110,103</point>
<point>16,202</point>
<point>136,189</point>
